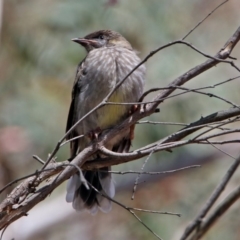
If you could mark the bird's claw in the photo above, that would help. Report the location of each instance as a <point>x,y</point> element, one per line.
<point>93,134</point>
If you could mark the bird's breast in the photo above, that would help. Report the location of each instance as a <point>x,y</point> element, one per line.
<point>105,67</point>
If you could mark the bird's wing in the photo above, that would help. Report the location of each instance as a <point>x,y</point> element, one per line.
<point>72,110</point>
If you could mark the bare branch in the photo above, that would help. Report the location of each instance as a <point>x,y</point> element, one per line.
<point>229,155</point>
<point>153,173</point>
<point>213,198</point>
<point>216,214</point>
<point>139,175</point>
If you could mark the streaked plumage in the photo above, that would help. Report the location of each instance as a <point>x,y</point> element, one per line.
<point>110,58</point>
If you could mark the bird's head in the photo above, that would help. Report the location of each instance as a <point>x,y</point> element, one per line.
<point>102,38</point>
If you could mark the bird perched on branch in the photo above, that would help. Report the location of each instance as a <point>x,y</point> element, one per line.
<point>109,59</point>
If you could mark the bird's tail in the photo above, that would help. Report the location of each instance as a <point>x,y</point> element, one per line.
<point>84,199</point>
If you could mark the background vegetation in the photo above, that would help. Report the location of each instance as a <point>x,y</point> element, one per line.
<point>37,68</point>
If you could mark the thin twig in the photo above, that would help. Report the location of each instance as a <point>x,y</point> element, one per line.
<point>38,159</point>
<point>215,134</point>
<point>139,175</point>
<point>161,123</point>
<point>72,139</point>
<point>204,19</point>
<point>153,211</point>
<point>218,142</point>
<point>227,154</point>
<point>153,173</point>
<point>210,95</point>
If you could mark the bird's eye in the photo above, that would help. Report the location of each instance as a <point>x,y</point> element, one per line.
<point>101,36</point>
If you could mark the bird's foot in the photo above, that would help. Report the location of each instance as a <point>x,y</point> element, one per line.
<point>133,109</point>
<point>93,134</point>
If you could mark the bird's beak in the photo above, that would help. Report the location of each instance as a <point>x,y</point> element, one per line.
<point>84,41</point>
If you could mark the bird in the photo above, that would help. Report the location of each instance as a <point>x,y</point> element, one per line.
<point>110,57</point>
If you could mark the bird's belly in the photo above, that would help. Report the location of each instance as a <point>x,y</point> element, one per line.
<point>110,115</point>
<point>104,117</point>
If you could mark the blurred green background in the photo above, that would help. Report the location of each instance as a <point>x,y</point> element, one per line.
<point>37,69</point>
